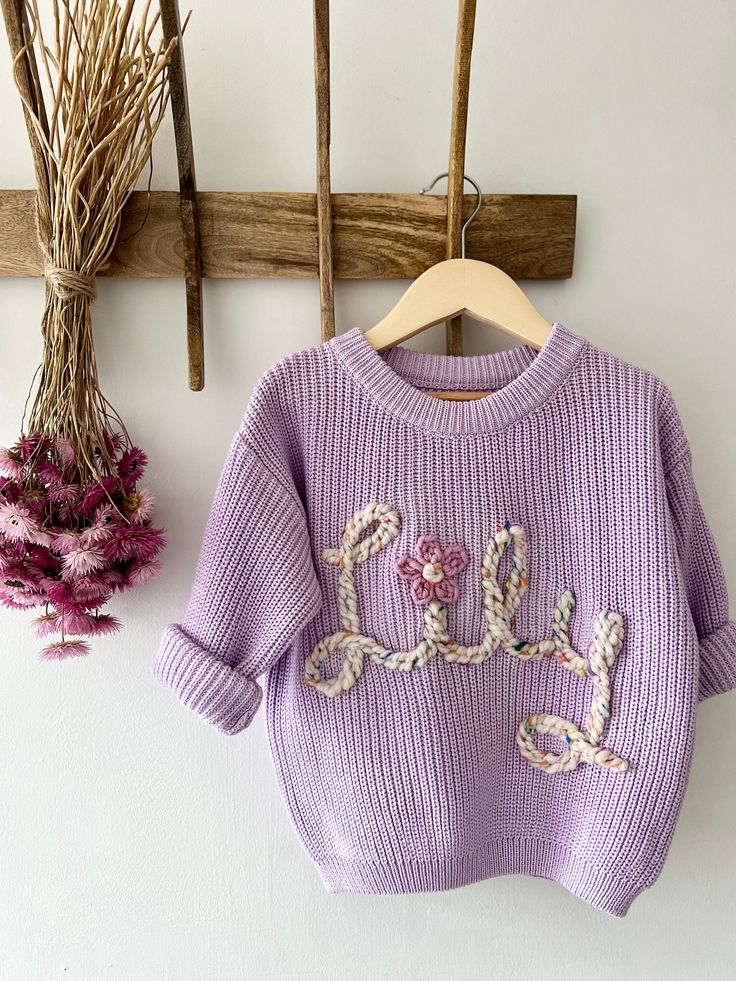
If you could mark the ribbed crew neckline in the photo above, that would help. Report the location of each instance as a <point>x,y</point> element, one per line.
<point>520,380</point>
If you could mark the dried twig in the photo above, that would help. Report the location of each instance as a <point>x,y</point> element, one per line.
<point>187,195</point>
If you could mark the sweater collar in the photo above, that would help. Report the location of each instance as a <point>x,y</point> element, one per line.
<point>519,379</point>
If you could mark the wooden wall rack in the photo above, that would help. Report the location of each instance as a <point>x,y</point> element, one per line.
<point>254,235</point>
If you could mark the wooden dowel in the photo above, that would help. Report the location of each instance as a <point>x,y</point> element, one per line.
<point>324,198</point>
<point>191,238</point>
<point>456,168</point>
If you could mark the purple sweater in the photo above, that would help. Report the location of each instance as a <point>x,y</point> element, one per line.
<point>484,626</point>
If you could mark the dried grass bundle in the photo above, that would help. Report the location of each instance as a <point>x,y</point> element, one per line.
<point>97,97</point>
<point>75,524</point>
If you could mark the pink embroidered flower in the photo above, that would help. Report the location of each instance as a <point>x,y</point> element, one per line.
<point>432,573</point>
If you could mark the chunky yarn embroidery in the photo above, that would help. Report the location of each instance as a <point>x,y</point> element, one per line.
<point>432,584</point>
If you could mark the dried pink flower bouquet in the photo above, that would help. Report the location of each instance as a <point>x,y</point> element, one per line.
<point>67,545</point>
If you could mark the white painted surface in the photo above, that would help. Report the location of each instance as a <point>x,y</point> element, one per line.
<point>135,842</point>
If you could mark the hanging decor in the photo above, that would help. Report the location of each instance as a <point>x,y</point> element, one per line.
<point>75,524</point>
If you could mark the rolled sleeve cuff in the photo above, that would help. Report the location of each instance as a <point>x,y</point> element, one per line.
<point>718,662</point>
<point>220,694</point>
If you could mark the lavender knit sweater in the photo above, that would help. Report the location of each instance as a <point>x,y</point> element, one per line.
<point>484,625</point>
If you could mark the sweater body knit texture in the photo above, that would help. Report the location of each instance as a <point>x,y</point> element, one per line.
<point>483,627</point>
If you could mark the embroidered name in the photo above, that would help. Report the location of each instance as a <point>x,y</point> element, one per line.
<point>431,573</point>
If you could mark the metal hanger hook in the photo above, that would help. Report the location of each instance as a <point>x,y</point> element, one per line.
<point>478,191</point>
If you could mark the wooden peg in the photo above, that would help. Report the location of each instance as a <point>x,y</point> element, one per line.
<point>324,197</point>
<point>171,26</point>
<point>456,168</point>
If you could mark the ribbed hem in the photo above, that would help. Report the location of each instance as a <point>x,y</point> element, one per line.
<point>718,662</point>
<point>519,380</point>
<point>599,887</point>
<point>218,693</point>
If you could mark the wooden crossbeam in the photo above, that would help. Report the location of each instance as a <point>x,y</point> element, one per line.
<point>253,235</point>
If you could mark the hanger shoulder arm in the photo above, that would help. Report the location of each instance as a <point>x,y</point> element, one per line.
<point>437,295</point>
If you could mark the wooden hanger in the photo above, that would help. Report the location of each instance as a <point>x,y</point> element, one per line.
<point>456,286</point>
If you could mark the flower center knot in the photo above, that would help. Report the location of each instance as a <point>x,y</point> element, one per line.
<point>432,572</point>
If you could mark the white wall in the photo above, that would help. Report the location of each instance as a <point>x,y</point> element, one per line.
<point>135,842</point>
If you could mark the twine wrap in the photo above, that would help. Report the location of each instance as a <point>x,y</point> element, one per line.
<point>369,531</point>
<point>69,284</point>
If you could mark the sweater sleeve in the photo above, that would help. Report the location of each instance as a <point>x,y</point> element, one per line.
<point>702,570</point>
<point>254,589</point>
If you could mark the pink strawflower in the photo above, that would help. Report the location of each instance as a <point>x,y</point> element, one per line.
<point>41,538</point>
<point>66,451</point>
<point>37,503</point>
<point>101,529</point>
<point>9,490</point>
<point>97,493</point>
<point>432,573</point>
<point>17,522</point>
<point>91,589</point>
<point>64,541</point>
<point>22,584</point>
<point>106,624</point>
<point>73,622</point>
<point>21,597</point>
<point>71,607</point>
<point>10,602</point>
<point>60,650</point>
<point>140,572</point>
<point>131,466</point>
<point>81,560</point>
<point>28,519</point>
<point>10,465</point>
<point>139,506</point>
<point>103,623</point>
<point>48,563</point>
<point>10,550</point>
<point>45,625</point>
<point>113,577</point>
<point>64,492</point>
<point>23,574</point>
<point>60,594</point>
<point>80,623</point>
<point>134,542</point>
<point>113,443</point>
<point>67,513</point>
<point>48,473</point>
<point>28,445</point>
